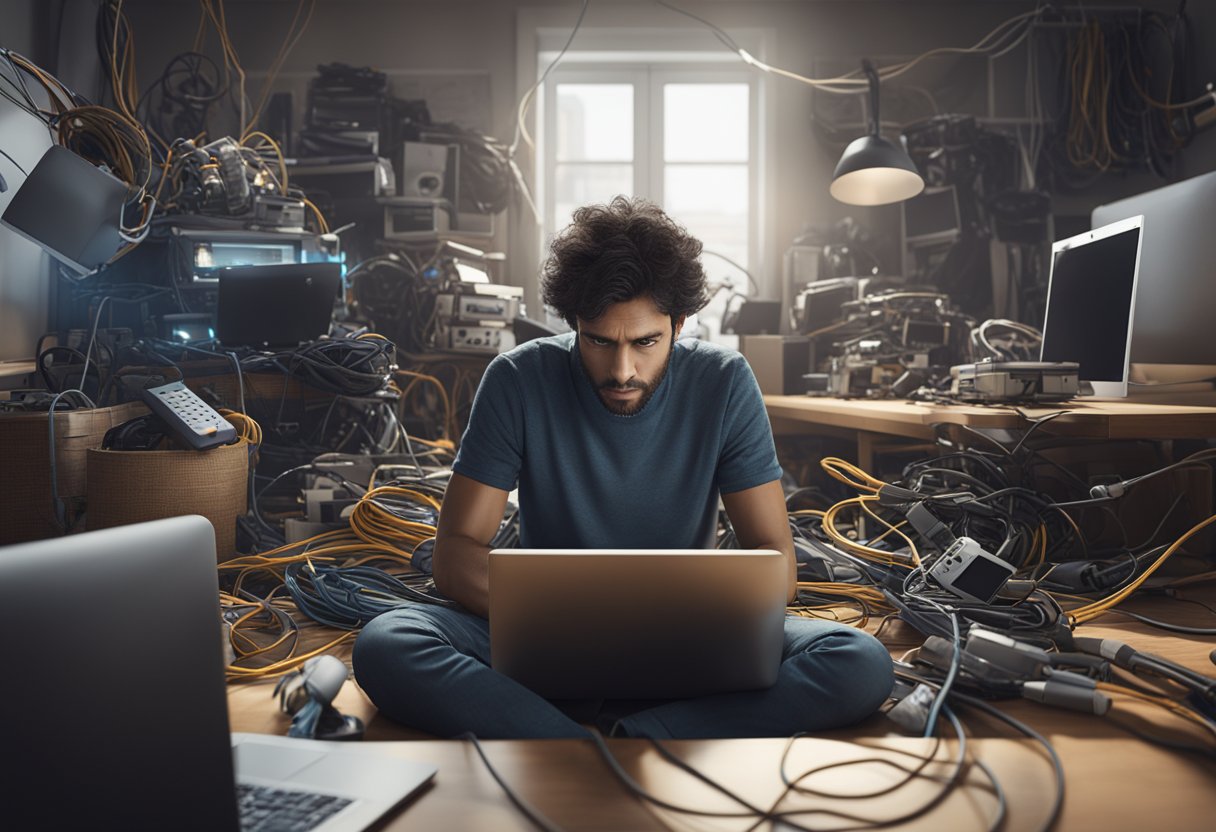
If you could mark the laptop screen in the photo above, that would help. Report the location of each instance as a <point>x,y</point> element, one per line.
<point>1090,304</point>
<point>277,306</point>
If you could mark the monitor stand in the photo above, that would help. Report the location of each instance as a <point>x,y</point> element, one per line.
<point>1183,384</point>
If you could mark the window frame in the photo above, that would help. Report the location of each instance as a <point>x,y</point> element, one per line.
<point>648,75</point>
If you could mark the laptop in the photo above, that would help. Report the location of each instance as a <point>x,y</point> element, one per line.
<point>115,701</point>
<point>637,624</point>
<point>281,305</point>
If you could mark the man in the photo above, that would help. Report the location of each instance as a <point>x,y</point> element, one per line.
<point>617,437</point>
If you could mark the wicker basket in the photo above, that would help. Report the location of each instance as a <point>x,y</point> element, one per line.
<point>133,486</point>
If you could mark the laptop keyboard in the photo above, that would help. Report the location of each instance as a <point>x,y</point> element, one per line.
<point>264,809</point>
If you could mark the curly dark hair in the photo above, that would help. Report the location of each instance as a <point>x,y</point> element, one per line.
<point>617,252</point>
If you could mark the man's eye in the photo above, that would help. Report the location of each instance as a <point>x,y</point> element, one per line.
<point>599,342</point>
<point>645,342</point>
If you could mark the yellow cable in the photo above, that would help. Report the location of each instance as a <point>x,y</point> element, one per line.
<point>1092,611</point>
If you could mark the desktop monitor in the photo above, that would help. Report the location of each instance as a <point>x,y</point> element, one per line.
<point>70,208</point>
<point>1176,298</point>
<point>1091,298</point>
<point>931,217</point>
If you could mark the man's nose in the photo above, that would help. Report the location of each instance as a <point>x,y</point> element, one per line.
<point>622,367</point>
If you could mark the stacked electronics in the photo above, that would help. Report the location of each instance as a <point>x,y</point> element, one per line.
<point>477,317</point>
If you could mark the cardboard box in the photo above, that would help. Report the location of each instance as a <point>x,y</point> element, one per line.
<point>779,362</point>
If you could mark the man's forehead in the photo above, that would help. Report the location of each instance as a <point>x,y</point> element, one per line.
<point>631,319</point>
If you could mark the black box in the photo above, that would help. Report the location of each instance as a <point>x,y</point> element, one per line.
<point>779,362</point>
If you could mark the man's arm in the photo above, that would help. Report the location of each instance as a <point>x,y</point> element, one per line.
<point>761,522</point>
<point>468,521</point>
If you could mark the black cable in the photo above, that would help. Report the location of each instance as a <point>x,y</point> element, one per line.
<point>14,161</point>
<point>539,820</point>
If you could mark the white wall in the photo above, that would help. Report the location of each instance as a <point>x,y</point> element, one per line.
<point>24,272</point>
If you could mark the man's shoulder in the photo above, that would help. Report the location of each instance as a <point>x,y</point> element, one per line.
<point>706,357</point>
<point>540,355</point>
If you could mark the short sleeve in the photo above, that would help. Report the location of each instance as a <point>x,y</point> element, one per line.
<point>748,457</point>
<point>491,450</point>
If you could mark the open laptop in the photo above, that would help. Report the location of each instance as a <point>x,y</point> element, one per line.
<point>637,624</point>
<point>281,305</point>
<point>115,703</point>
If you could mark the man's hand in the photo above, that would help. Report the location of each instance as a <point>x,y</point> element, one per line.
<point>468,521</point>
<point>762,522</point>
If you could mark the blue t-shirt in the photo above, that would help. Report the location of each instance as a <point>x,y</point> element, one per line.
<point>589,478</point>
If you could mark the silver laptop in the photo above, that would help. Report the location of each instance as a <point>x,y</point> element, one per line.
<point>115,700</point>
<point>637,624</point>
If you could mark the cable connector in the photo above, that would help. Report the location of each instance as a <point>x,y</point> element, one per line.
<point>1061,694</point>
<point>894,495</point>
<point>929,527</point>
<point>1021,660</point>
<point>912,712</point>
<point>1114,651</point>
<point>1109,491</point>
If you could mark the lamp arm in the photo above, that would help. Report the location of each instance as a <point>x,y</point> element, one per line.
<point>872,75</point>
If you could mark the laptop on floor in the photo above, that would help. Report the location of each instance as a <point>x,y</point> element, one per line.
<point>637,624</point>
<point>115,704</point>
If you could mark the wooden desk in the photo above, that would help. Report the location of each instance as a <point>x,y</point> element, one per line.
<point>872,419</point>
<point>1113,781</point>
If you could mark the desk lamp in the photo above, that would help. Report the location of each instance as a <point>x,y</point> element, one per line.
<point>874,170</point>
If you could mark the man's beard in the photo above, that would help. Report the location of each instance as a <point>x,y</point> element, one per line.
<point>648,389</point>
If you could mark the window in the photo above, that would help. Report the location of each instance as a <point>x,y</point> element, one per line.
<point>680,134</point>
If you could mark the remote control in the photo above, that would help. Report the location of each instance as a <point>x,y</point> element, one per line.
<point>188,417</point>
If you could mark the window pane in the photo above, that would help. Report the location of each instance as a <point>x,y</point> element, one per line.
<point>595,122</point>
<point>711,201</point>
<point>705,122</point>
<point>579,185</point>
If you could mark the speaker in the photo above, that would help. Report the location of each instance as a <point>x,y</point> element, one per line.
<point>424,170</point>
<point>778,362</point>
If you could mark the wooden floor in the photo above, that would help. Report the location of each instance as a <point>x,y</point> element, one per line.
<point>1114,780</point>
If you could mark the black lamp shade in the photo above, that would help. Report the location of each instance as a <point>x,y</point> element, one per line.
<point>875,171</point>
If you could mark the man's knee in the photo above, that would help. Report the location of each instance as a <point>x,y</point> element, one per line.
<point>855,669</point>
<point>388,645</point>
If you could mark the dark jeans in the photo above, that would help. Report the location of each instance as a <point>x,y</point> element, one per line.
<point>429,668</point>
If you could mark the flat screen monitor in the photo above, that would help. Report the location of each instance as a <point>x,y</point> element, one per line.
<point>931,217</point>
<point>1176,299</point>
<point>1091,298</point>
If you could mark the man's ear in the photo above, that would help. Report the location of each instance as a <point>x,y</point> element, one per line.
<point>676,327</point>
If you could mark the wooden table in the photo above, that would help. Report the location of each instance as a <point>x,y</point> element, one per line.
<point>1113,781</point>
<point>872,420</point>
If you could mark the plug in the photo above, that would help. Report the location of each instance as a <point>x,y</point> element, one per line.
<point>1110,491</point>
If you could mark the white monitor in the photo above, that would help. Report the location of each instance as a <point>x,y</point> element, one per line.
<point>1176,301</point>
<point>1091,300</point>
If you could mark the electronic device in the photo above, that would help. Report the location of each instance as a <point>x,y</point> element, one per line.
<point>415,218</point>
<point>207,250</point>
<point>931,217</point>
<point>71,208</point>
<point>100,737</point>
<point>636,626</point>
<point>1091,302</point>
<point>190,419</point>
<point>1015,381</point>
<point>753,316</point>
<point>187,327</point>
<point>1176,297</point>
<point>425,171</point>
<point>476,308</point>
<point>490,340</point>
<point>966,570</point>
<point>276,306</point>
<point>344,177</point>
<point>819,304</point>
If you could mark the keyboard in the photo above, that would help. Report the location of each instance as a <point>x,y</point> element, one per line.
<point>266,809</point>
